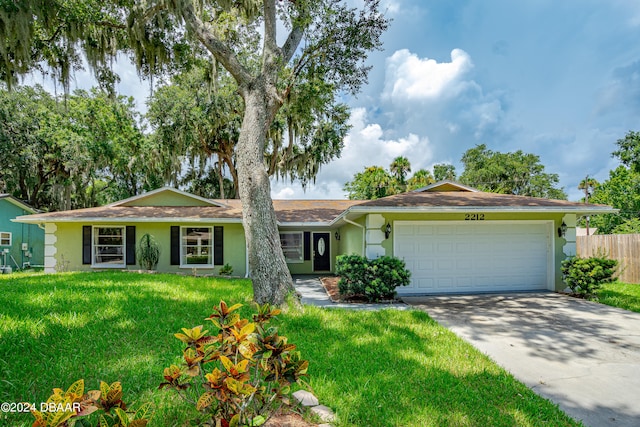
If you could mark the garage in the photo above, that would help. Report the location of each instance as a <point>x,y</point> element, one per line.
<point>475,256</point>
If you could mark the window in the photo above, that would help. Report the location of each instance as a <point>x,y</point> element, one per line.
<point>196,247</point>
<point>292,246</point>
<point>108,247</point>
<point>5,238</point>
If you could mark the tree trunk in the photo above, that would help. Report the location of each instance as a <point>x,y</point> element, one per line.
<point>266,260</point>
<point>220,176</point>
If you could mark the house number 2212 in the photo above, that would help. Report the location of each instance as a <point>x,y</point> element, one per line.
<point>474,217</point>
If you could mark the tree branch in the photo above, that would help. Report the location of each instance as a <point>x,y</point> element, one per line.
<point>111,25</point>
<point>270,46</point>
<point>291,44</point>
<point>219,50</point>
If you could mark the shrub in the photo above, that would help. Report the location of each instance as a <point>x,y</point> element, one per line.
<point>148,252</point>
<point>584,276</point>
<point>352,270</point>
<point>74,407</point>
<point>226,270</point>
<point>242,374</point>
<point>374,279</point>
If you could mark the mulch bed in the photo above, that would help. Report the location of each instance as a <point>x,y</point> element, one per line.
<point>288,420</point>
<point>331,286</point>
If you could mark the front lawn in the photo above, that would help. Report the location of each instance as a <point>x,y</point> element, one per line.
<point>622,295</point>
<point>387,368</point>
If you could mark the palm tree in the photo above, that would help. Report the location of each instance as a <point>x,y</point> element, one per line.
<point>588,185</point>
<point>399,168</point>
<point>420,179</point>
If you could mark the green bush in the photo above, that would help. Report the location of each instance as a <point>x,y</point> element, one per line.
<point>584,276</point>
<point>352,270</point>
<point>373,279</point>
<point>226,270</point>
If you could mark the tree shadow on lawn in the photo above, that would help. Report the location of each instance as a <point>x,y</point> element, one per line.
<point>393,368</point>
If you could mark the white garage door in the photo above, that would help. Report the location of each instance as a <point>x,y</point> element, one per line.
<point>459,257</point>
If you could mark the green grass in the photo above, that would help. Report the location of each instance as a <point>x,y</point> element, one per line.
<point>387,368</point>
<point>622,295</point>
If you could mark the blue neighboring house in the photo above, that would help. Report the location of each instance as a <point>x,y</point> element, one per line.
<point>21,245</point>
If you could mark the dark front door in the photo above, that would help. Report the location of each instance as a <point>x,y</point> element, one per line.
<point>321,252</point>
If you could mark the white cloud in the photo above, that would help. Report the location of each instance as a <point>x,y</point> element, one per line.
<point>442,101</point>
<point>365,145</point>
<point>283,193</point>
<point>409,77</point>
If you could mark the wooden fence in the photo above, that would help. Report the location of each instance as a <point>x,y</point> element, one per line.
<point>623,247</point>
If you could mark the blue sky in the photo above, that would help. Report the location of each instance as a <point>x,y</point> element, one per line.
<point>560,79</point>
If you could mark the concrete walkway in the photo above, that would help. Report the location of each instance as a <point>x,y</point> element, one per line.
<point>312,293</point>
<point>581,355</point>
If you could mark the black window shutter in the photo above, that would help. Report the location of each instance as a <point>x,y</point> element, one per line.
<point>175,245</point>
<point>131,244</point>
<point>86,244</point>
<point>307,245</point>
<point>218,245</point>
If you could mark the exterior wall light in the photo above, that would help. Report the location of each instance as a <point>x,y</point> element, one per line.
<point>337,236</point>
<point>562,230</point>
<point>387,231</point>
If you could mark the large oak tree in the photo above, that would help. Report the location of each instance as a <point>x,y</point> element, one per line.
<point>326,41</point>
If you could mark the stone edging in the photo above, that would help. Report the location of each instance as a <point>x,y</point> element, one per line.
<point>310,401</point>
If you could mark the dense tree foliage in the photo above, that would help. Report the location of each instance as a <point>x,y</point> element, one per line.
<point>622,191</point>
<point>421,178</point>
<point>629,226</point>
<point>508,173</point>
<point>376,182</point>
<point>199,115</point>
<point>444,172</point>
<point>74,151</point>
<point>372,183</point>
<point>629,150</point>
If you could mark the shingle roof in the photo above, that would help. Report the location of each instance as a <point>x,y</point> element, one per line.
<point>471,199</point>
<point>141,213</point>
<point>323,212</point>
<point>287,211</point>
<point>297,211</point>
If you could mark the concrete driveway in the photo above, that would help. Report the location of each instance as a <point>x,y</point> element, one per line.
<point>581,355</point>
